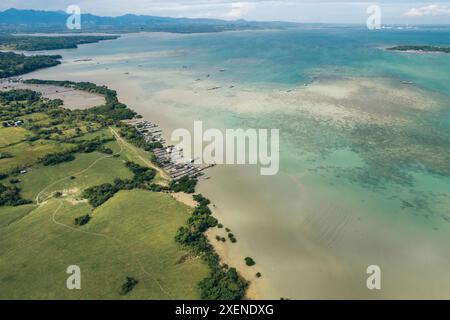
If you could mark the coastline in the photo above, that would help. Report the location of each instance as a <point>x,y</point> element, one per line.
<point>254,290</point>
<point>255,219</point>
<point>77,99</point>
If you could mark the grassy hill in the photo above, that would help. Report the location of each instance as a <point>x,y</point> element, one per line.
<point>127,236</point>
<point>131,235</point>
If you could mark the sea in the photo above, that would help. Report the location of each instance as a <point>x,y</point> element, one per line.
<point>364,175</point>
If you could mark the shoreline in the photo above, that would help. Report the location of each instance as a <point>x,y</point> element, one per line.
<point>303,233</point>
<point>254,290</point>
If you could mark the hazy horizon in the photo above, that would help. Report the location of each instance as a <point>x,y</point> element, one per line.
<point>323,11</point>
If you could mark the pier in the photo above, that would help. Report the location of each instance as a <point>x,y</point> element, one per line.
<point>169,158</point>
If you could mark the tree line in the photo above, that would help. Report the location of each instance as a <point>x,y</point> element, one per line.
<point>13,64</point>
<point>223,283</point>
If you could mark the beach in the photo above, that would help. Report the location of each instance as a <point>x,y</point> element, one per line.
<point>315,227</point>
<point>254,291</point>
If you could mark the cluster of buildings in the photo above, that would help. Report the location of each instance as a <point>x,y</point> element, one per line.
<point>168,157</point>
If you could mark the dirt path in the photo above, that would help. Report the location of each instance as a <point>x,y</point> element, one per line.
<point>133,255</point>
<point>147,162</point>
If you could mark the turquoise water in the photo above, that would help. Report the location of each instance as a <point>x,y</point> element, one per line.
<point>294,56</point>
<point>349,193</point>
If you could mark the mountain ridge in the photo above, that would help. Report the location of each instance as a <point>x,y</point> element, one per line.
<point>17,20</point>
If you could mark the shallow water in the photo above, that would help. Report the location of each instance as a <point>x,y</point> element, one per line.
<point>364,176</point>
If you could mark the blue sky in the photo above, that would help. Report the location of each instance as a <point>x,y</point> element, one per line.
<point>328,11</point>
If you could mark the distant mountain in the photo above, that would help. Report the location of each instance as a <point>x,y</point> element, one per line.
<point>14,20</point>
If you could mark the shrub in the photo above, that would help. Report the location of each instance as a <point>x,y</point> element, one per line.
<point>99,194</point>
<point>55,158</point>
<point>141,174</point>
<point>249,261</point>
<point>201,200</point>
<point>10,196</point>
<point>223,285</point>
<point>128,286</point>
<point>105,150</point>
<point>81,221</point>
<point>232,238</point>
<point>184,184</point>
<point>5,155</point>
<point>96,144</point>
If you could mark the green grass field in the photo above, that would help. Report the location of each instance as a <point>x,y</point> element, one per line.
<point>104,171</point>
<point>130,235</point>
<point>141,157</point>
<point>27,153</point>
<point>11,135</point>
<point>9,215</point>
<point>102,133</point>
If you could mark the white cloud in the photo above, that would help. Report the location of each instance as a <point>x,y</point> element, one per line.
<point>239,9</point>
<point>430,10</point>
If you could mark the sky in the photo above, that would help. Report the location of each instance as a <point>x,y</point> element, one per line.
<point>411,12</point>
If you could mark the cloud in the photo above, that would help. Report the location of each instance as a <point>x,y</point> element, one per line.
<point>430,10</point>
<point>239,9</point>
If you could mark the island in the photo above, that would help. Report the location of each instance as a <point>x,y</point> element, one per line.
<point>420,48</point>
<point>37,43</point>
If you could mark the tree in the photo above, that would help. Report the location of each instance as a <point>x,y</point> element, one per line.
<point>249,261</point>
<point>128,286</point>
<point>81,221</point>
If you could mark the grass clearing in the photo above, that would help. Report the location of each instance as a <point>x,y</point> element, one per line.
<point>9,215</point>
<point>27,153</point>
<point>12,135</point>
<point>102,133</point>
<point>137,228</point>
<point>37,118</point>
<point>142,157</point>
<point>104,171</point>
